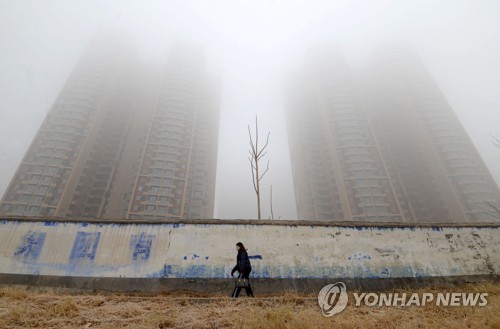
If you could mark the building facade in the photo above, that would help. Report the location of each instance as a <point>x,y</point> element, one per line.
<point>382,144</point>
<point>124,140</point>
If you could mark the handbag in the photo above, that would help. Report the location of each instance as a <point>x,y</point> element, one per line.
<point>241,283</point>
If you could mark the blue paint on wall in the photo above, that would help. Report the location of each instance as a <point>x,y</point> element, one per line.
<point>78,269</point>
<point>85,246</point>
<point>168,270</point>
<point>359,257</point>
<point>141,244</point>
<point>157,274</point>
<point>50,223</point>
<point>191,271</point>
<point>386,272</point>
<point>195,271</point>
<point>361,265</point>
<point>31,245</point>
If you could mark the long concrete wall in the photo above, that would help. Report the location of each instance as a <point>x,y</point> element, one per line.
<point>279,251</point>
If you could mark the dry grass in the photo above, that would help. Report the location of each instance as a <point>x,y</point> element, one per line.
<point>21,308</point>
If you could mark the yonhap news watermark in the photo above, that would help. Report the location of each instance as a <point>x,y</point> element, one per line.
<point>333,299</point>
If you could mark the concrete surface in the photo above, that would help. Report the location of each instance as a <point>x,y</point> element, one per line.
<point>199,255</point>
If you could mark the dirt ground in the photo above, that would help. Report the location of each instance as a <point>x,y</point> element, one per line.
<point>51,308</point>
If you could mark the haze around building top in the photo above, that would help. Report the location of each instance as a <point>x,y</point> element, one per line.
<point>254,47</point>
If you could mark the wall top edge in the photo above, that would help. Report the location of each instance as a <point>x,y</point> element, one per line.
<point>249,222</point>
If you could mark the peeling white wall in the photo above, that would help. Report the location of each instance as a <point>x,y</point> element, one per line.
<point>277,251</point>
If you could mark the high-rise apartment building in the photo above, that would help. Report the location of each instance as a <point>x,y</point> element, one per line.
<point>382,144</point>
<point>124,140</point>
<point>176,173</point>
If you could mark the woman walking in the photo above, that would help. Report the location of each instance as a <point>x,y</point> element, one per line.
<point>244,268</point>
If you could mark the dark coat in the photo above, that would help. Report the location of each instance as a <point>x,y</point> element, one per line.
<point>242,263</point>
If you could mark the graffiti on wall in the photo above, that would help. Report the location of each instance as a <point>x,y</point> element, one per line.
<point>141,246</point>
<point>31,245</point>
<point>84,247</point>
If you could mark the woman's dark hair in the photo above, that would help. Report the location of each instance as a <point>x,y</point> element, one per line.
<point>242,247</point>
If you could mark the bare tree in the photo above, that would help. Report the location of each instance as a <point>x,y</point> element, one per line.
<point>256,154</point>
<point>271,202</point>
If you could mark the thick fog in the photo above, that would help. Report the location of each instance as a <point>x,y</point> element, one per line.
<point>253,45</point>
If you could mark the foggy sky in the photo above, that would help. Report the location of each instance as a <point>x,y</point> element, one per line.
<point>252,45</point>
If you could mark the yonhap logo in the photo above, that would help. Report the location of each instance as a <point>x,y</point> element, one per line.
<point>332,299</point>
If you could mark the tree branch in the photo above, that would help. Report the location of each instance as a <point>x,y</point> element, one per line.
<point>267,142</point>
<point>256,134</point>
<point>253,176</point>
<point>264,171</point>
<point>256,155</point>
